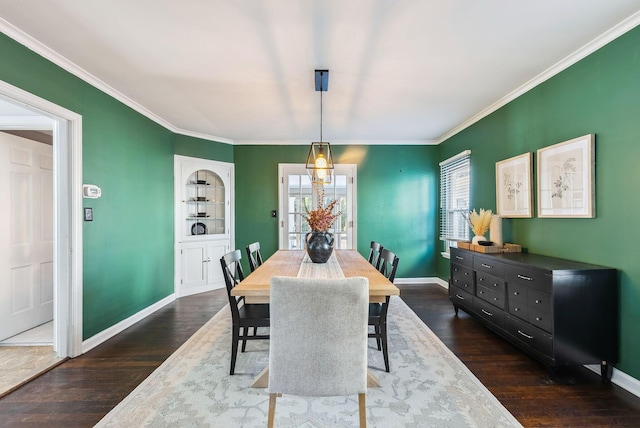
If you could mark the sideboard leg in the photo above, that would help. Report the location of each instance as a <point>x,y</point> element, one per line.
<point>606,371</point>
<point>455,308</point>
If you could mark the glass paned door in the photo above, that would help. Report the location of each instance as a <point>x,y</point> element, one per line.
<point>298,195</point>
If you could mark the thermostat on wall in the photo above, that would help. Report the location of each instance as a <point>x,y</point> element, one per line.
<point>91,191</point>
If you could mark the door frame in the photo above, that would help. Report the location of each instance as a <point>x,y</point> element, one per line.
<point>66,127</point>
<point>178,215</point>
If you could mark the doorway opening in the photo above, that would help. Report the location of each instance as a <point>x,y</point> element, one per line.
<point>22,111</point>
<point>297,195</point>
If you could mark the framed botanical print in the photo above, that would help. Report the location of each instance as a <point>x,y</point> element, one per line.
<point>514,195</point>
<point>566,185</point>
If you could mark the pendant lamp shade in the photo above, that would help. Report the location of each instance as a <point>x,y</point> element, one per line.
<point>320,160</point>
<point>320,163</point>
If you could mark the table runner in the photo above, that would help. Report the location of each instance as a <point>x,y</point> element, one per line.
<point>329,270</point>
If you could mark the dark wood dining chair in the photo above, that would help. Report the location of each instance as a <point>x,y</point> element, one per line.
<point>243,315</point>
<point>374,254</point>
<point>253,255</point>
<point>388,264</point>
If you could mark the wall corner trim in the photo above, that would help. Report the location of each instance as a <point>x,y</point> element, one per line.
<point>110,332</point>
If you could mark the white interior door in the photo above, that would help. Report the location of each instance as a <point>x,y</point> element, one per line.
<point>204,228</point>
<point>26,240</point>
<point>297,195</point>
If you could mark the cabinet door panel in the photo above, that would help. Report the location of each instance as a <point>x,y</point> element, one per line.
<point>462,277</point>
<point>193,271</point>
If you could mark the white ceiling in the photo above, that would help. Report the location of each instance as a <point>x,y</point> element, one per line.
<point>405,71</point>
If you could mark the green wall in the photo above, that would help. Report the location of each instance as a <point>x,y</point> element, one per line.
<point>599,95</point>
<point>397,199</point>
<point>128,248</point>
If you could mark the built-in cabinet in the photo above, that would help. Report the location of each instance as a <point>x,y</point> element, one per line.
<point>204,223</point>
<point>559,311</point>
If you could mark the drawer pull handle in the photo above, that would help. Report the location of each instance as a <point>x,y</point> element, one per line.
<point>516,293</point>
<point>495,299</point>
<point>495,285</point>
<point>459,297</point>
<point>526,278</point>
<point>525,335</point>
<point>484,265</point>
<point>538,301</point>
<point>516,309</point>
<point>459,258</point>
<point>466,273</point>
<point>487,313</point>
<point>538,319</point>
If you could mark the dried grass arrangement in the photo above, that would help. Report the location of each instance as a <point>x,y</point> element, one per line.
<point>479,223</point>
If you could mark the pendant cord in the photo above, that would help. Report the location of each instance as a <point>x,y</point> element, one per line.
<point>321,111</point>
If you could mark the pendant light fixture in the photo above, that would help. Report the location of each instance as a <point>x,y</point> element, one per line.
<point>320,160</point>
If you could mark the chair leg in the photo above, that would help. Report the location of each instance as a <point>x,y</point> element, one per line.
<point>362,410</point>
<point>385,350</point>
<point>377,327</point>
<point>272,410</point>
<point>245,333</point>
<point>234,347</point>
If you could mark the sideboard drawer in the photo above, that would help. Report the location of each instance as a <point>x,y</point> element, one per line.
<point>462,277</point>
<point>532,278</point>
<point>532,336</point>
<point>488,265</point>
<point>461,298</point>
<point>489,312</point>
<point>461,257</point>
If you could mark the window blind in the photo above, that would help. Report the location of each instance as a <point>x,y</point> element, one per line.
<point>454,196</point>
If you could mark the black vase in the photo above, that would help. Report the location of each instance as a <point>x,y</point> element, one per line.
<point>319,246</point>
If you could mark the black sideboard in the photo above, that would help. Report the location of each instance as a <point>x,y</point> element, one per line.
<point>559,311</point>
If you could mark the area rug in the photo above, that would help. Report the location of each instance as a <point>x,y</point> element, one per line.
<point>428,387</point>
<point>20,364</point>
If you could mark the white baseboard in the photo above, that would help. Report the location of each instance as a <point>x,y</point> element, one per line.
<point>422,281</point>
<point>621,379</point>
<point>107,334</point>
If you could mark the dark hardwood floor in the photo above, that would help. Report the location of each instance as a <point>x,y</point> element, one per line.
<point>79,392</point>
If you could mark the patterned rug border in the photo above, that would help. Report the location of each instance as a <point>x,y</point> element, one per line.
<point>123,407</point>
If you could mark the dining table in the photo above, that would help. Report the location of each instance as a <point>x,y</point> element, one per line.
<point>344,263</point>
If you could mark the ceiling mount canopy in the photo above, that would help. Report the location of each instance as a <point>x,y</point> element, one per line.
<point>320,160</point>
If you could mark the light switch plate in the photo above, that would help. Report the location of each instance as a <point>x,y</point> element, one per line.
<point>88,214</point>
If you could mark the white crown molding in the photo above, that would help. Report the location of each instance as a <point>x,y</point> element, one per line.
<point>586,50</point>
<point>46,52</point>
<point>336,142</point>
<point>202,136</point>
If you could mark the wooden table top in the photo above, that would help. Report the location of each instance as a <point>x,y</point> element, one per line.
<point>255,287</point>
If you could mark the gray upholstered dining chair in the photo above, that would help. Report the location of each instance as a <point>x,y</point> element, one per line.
<point>318,341</point>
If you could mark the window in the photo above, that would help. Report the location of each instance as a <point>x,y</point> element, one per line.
<point>454,199</point>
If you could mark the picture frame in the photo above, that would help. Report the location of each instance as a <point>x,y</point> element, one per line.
<point>566,187</point>
<point>514,194</point>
